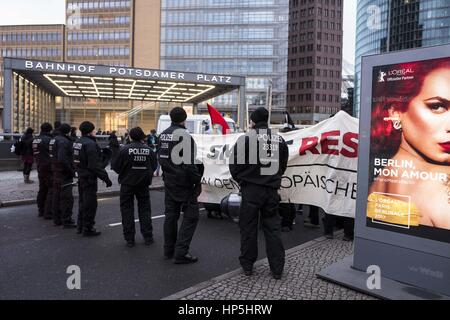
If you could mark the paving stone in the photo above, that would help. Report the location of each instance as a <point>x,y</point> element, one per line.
<point>299,279</point>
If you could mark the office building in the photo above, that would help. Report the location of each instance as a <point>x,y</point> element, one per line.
<point>241,37</point>
<point>116,33</point>
<point>314,59</point>
<point>391,25</point>
<point>37,42</point>
<point>232,37</point>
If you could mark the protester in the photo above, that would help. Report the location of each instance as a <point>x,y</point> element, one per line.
<point>61,155</point>
<point>41,153</point>
<point>26,146</point>
<point>126,138</point>
<point>182,185</point>
<point>135,165</point>
<point>259,183</point>
<point>73,134</point>
<point>330,221</point>
<point>87,157</point>
<point>114,146</point>
<point>288,213</point>
<point>152,141</point>
<point>312,221</point>
<point>57,125</point>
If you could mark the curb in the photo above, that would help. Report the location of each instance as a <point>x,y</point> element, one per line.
<point>104,194</point>
<point>203,285</point>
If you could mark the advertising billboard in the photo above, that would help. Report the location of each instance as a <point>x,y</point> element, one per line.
<point>402,220</point>
<point>409,176</point>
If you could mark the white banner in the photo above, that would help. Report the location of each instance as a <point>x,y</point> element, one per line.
<point>322,167</point>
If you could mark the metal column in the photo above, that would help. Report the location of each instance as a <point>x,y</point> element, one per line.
<point>7,100</point>
<point>242,114</point>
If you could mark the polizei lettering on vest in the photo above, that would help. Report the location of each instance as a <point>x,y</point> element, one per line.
<point>139,152</point>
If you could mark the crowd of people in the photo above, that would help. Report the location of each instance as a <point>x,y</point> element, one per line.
<point>65,160</point>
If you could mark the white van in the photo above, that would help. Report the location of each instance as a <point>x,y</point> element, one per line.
<point>196,124</point>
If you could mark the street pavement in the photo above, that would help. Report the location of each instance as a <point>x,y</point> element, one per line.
<point>14,191</point>
<point>35,256</point>
<point>299,281</point>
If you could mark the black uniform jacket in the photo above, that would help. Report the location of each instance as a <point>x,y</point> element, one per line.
<point>182,179</point>
<point>61,155</point>
<point>41,152</point>
<point>135,164</point>
<point>268,150</point>
<point>88,159</point>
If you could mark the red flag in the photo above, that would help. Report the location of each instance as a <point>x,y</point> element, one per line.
<point>216,118</point>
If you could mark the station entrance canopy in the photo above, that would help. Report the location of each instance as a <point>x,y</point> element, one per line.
<point>76,80</point>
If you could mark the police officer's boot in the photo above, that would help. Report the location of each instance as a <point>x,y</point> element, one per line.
<point>130,243</point>
<point>91,233</point>
<point>26,179</point>
<point>149,241</point>
<point>188,258</point>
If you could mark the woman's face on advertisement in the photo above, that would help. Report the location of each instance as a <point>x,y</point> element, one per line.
<point>426,122</point>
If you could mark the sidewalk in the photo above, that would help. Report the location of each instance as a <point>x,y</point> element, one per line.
<point>13,191</point>
<point>299,280</point>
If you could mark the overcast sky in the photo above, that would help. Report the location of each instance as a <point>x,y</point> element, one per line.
<point>52,11</point>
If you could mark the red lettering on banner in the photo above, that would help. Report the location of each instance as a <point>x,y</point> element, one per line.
<point>326,143</point>
<point>349,141</point>
<point>309,144</point>
<point>329,144</point>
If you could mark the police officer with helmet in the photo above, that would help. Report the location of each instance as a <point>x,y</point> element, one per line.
<point>259,160</point>
<point>182,185</point>
<point>87,158</point>
<point>135,165</point>
<point>61,155</point>
<point>41,153</point>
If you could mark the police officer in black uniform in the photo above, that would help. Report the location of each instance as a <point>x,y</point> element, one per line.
<point>63,173</point>
<point>135,165</point>
<point>87,158</point>
<point>42,155</point>
<point>259,160</point>
<point>182,185</point>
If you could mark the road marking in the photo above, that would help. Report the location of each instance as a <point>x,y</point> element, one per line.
<point>137,220</point>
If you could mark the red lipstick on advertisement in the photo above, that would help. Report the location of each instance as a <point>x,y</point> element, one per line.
<point>445,146</point>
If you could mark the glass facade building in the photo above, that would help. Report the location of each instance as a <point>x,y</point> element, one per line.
<point>44,42</point>
<point>241,37</point>
<point>392,25</point>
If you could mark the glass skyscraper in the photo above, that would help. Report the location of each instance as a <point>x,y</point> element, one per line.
<point>392,25</point>
<point>241,37</point>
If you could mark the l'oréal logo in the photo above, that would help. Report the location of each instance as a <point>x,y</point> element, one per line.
<point>395,75</point>
<point>400,72</point>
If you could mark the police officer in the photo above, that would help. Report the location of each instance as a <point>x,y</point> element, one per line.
<point>63,173</point>
<point>56,127</point>
<point>42,155</point>
<point>182,186</point>
<point>135,165</point>
<point>87,158</point>
<point>259,160</point>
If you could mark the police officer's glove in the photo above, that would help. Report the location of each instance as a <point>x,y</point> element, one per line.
<point>108,183</point>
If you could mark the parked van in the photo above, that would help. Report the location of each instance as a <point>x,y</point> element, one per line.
<point>196,124</point>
